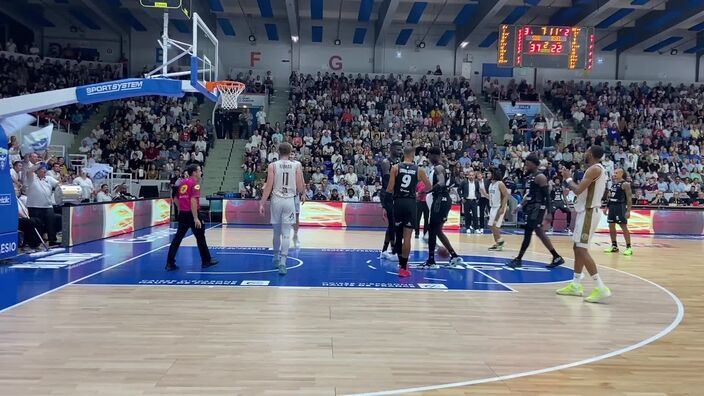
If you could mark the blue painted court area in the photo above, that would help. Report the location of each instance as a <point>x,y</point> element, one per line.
<point>139,260</point>
<point>325,268</point>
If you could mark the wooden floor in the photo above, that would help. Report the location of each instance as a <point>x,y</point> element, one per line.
<point>130,340</point>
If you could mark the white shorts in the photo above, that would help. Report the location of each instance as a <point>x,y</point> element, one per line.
<point>496,218</point>
<point>584,227</point>
<point>283,210</point>
<point>297,203</point>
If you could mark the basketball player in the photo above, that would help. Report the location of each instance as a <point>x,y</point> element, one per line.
<point>498,202</point>
<point>387,200</point>
<point>588,206</point>
<point>403,179</point>
<point>535,204</point>
<point>284,181</point>
<point>440,205</point>
<point>188,218</point>
<point>560,203</point>
<point>619,210</point>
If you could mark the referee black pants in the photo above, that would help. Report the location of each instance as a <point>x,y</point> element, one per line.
<point>186,222</point>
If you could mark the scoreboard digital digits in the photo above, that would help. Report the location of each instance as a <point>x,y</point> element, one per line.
<point>556,47</point>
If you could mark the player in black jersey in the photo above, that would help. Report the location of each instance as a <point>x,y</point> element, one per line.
<point>559,202</point>
<point>619,209</point>
<point>387,200</point>
<point>440,205</point>
<point>403,181</point>
<point>535,204</point>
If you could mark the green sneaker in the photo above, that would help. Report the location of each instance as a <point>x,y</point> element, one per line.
<point>571,289</point>
<point>628,252</point>
<point>282,267</point>
<point>598,294</point>
<point>275,262</point>
<point>611,249</point>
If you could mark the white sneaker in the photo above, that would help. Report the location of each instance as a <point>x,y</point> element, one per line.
<point>386,255</point>
<point>480,231</point>
<point>296,242</point>
<point>550,231</point>
<point>569,232</point>
<point>457,262</point>
<point>425,237</point>
<point>470,231</point>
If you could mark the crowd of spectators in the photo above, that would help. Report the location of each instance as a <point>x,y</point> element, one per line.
<point>21,75</point>
<point>341,125</point>
<point>150,137</point>
<point>38,179</point>
<point>653,132</point>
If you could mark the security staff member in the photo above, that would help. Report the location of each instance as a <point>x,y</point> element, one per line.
<point>188,218</point>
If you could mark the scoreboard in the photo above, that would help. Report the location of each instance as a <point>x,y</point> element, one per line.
<point>556,47</point>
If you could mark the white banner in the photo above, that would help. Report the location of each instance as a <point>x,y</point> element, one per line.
<point>251,100</point>
<point>99,172</point>
<point>14,123</point>
<point>38,140</point>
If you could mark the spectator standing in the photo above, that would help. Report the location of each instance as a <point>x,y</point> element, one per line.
<point>40,199</point>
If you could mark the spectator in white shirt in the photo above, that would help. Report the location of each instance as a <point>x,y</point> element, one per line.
<point>351,196</point>
<point>40,189</point>
<point>104,194</point>
<point>200,145</point>
<point>86,185</point>
<point>197,156</point>
<point>34,49</point>
<point>350,176</point>
<point>55,172</point>
<point>261,117</point>
<point>10,46</point>
<point>15,173</point>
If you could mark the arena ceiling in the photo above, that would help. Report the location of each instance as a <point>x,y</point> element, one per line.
<point>622,25</point>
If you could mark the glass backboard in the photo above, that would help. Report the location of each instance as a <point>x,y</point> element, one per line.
<point>204,59</point>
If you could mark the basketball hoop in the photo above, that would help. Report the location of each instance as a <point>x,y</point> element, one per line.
<point>228,92</point>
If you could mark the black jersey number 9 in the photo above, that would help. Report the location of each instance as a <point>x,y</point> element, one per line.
<point>406,181</point>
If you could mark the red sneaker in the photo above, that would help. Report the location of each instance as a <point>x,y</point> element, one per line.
<point>404,273</point>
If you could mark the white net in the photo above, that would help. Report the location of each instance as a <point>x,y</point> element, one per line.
<point>229,92</point>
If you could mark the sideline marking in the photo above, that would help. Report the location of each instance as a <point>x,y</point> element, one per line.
<point>93,274</point>
<point>678,319</point>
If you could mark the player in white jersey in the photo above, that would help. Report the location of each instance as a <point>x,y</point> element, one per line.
<point>589,192</point>
<point>284,182</point>
<point>498,201</point>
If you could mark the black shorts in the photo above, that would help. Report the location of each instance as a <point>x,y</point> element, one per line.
<point>617,214</point>
<point>534,216</point>
<point>405,212</point>
<point>389,208</point>
<point>559,205</point>
<point>442,203</point>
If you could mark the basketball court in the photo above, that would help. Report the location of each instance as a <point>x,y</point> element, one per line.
<point>105,318</point>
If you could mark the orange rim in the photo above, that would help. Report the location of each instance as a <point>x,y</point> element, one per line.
<point>211,85</point>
